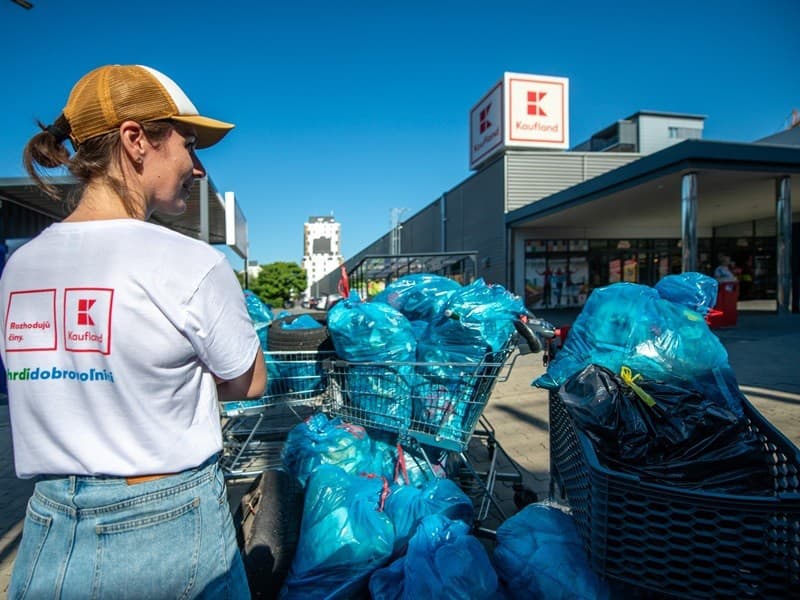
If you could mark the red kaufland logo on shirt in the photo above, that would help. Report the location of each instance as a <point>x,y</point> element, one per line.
<point>87,319</point>
<point>84,305</point>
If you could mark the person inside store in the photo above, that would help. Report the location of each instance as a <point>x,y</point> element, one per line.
<point>723,272</point>
<point>120,337</point>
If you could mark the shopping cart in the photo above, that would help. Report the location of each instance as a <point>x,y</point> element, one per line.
<point>254,431</point>
<point>435,410</point>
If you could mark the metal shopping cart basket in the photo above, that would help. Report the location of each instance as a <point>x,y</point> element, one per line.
<point>432,408</point>
<point>254,431</point>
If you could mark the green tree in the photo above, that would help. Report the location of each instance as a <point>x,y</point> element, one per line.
<point>278,282</point>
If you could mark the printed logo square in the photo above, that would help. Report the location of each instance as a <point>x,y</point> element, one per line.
<point>87,319</point>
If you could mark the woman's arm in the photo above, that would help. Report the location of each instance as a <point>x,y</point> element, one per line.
<point>250,384</point>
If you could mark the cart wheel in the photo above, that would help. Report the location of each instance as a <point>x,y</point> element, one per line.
<point>269,519</point>
<point>299,340</point>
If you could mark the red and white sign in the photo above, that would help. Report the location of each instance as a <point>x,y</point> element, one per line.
<point>87,319</point>
<point>520,111</point>
<point>486,126</point>
<point>537,111</point>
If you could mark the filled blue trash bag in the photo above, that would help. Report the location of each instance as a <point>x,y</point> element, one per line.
<point>627,324</point>
<point>420,296</point>
<point>407,505</point>
<point>478,314</point>
<point>442,561</point>
<point>322,441</point>
<point>690,289</point>
<point>373,332</point>
<point>405,466</point>
<point>304,321</point>
<point>261,314</point>
<point>344,536</point>
<point>539,554</point>
<point>445,385</point>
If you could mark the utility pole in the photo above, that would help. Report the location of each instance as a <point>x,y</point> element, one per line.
<point>395,242</point>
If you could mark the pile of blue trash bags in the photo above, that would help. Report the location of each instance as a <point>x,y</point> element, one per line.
<point>643,376</point>
<point>380,522</point>
<point>298,378</point>
<point>429,334</point>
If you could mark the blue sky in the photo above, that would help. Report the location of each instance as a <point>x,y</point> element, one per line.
<point>358,108</point>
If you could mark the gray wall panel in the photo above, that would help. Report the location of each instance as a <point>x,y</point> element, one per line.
<point>536,175</point>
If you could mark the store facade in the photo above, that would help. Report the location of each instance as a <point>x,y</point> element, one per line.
<point>641,199</point>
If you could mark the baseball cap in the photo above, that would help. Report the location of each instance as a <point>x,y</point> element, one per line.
<point>109,95</point>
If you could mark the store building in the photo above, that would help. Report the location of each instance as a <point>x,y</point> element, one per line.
<point>641,198</point>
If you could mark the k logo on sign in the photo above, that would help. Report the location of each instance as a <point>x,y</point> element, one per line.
<point>87,319</point>
<point>485,123</point>
<point>534,98</point>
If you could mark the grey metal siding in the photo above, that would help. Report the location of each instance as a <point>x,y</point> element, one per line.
<point>475,221</point>
<point>532,176</point>
<point>422,232</point>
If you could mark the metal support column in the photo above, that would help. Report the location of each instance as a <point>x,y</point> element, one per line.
<point>689,222</point>
<point>783,217</point>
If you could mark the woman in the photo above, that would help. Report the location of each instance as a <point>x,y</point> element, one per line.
<point>119,338</point>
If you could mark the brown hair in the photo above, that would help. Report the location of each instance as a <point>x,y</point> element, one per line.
<point>91,160</point>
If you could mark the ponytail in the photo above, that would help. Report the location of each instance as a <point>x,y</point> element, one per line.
<point>46,150</point>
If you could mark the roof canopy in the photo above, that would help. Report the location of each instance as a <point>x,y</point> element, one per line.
<point>210,227</point>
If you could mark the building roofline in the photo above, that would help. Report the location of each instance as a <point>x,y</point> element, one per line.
<point>662,113</point>
<point>687,155</point>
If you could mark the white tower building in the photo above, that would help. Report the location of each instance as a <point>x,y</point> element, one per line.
<point>321,250</point>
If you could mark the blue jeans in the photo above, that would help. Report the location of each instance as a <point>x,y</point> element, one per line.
<point>98,537</point>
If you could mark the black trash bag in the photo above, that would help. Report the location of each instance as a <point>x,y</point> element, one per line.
<point>686,438</point>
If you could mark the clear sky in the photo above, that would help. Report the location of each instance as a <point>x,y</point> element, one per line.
<point>358,108</point>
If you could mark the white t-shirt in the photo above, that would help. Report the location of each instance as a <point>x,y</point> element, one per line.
<point>112,332</point>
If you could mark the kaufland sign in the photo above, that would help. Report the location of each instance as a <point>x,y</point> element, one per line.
<point>520,111</point>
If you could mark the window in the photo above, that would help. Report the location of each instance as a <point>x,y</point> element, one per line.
<point>684,133</point>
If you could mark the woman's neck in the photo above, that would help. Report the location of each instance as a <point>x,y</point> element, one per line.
<point>99,202</point>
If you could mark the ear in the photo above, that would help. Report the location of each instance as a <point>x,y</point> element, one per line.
<point>134,141</point>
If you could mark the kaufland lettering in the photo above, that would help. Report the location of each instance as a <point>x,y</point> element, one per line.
<point>536,126</point>
<point>39,374</point>
<point>486,140</point>
<point>86,336</point>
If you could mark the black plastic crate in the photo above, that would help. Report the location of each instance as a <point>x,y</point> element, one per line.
<point>678,542</point>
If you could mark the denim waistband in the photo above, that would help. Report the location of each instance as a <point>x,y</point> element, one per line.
<point>93,495</point>
<point>118,479</point>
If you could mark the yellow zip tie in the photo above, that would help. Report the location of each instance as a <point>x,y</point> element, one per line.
<point>630,380</point>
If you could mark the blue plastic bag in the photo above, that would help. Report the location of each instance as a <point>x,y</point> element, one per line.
<point>539,554</point>
<point>344,536</point>
<point>442,561</point>
<point>405,466</point>
<point>261,314</point>
<point>445,388</point>
<point>407,505</point>
<point>627,324</point>
<point>321,441</point>
<point>373,332</point>
<point>420,296</point>
<point>304,321</point>
<point>694,290</point>
<point>478,314</point>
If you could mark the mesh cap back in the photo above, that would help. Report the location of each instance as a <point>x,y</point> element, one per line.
<point>109,95</point>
